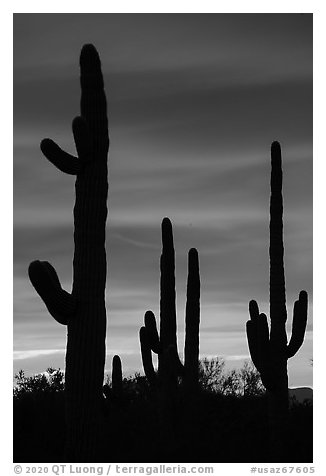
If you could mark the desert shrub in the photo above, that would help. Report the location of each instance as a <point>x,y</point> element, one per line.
<point>210,372</point>
<point>229,412</point>
<point>243,382</point>
<point>50,381</point>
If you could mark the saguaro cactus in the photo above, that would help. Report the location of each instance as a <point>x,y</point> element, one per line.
<point>83,310</point>
<point>165,344</point>
<point>116,377</point>
<point>269,348</point>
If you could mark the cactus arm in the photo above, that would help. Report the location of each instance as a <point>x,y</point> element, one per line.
<point>168,325</point>
<point>147,357</point>
<point>152,334</point>
<point>252,328</point>
<point>258,341</point>
<point>263,340</point>
<point>60,304</point>
<point>192,320</point>
<point>65,162</point>
<point>258,337</point>
<point>252,338</point>
<point>252,335</point>
<point>299,324</point>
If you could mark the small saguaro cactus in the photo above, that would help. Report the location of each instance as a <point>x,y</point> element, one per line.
<point>113,392</point>
<point>165,344</point>
<point>83,310</point>
<point>269,348</point>
<point>116,377</point>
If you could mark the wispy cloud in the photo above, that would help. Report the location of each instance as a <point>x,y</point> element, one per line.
<point>30,354</point>
<point>192,115</point>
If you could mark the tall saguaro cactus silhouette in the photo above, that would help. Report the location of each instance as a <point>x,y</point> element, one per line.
<point>83,310</point>
<point>165,344</point>
<point>269,348</point>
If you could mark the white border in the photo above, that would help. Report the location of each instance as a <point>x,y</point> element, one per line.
<point>316,7</point>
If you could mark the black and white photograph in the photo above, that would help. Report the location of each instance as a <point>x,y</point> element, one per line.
<point>163,238</point>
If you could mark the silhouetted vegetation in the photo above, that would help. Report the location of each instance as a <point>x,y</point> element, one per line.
<point>230,423</point>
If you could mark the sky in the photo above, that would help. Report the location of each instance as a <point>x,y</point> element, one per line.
<point>194,102</point>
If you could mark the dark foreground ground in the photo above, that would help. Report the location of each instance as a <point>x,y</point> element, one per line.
<point>214,428</point>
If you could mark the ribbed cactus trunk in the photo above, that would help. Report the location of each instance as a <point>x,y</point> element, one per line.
<point>278,395</point>
<point>269,348</point>
<point>86,323</point>
<point>191,357</point>
<point>168,377</point>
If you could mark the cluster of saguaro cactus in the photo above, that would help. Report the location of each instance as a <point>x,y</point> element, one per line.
<point>170,369</point>
<point>269,348</point>
<point>165,345</point>
<point>83,310</point>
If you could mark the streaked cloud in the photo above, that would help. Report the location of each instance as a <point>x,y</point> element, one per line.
<point>194,103</point>
<point>30,354</point>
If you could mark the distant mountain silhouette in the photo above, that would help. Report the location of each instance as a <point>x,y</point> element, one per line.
<point>300,395</point>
